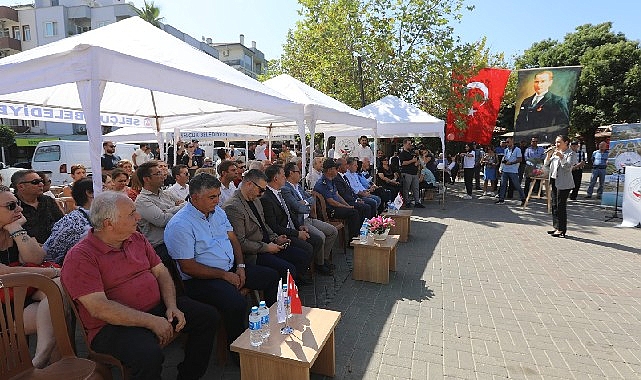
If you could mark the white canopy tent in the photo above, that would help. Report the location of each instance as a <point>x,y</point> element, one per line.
<point>131,68</point>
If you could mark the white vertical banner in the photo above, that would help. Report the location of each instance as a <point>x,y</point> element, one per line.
<point>631,208</point>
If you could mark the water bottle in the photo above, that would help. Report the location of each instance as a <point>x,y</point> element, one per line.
<point>363,233</point>
<point>255,334</point>
<point>264,319</point>
<point>391,207</point>
<point>288,307</point>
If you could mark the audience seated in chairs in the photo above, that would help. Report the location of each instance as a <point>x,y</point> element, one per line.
<point>17,247</point>
<point>388,178</point>
<point>126,298</point>
<point>218,271</point>
<point>366,207</point>
<point>259,243</point>
<point>73,226</point>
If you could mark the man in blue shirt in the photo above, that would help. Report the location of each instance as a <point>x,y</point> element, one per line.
<point>354,179</point>
<point>599,163</point>
<point>510,168</point>
<point>534,154</point>
<point>336,205</point>
<point>201,240</point>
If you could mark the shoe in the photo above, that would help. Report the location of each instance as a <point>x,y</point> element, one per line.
<point>324,270</point>
<point>550,232</point>
<point>467,196</point>
<point>598,197</point>
<point>559,234</point>
<point>496,195</point>
<point>522,202</point>
<point>499,202</point>
<point>573,198</point>
<point>419,205</point>
<point>587,197</point>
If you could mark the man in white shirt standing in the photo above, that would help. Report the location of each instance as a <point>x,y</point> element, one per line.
<point>261,145</point>
<point>180,189</point>
<point>363,150</point>
<point>141,155</point>
<point>227,173</point>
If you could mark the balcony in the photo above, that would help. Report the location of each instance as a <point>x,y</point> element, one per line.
<point>11,44</point>
<point>8,14</point>
<point>79,12</point>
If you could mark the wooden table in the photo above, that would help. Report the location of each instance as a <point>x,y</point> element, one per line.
<point>309,347</point>
<point>374,259</point>
<point>402,220</point>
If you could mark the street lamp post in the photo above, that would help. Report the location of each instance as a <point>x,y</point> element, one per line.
<point>359,60</point>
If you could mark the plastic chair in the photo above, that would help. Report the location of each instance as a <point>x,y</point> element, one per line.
<point>320,209</point>
<point>15,361</point>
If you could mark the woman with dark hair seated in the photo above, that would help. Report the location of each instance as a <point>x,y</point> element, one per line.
<point>73,226</point>
<point>388,178</point>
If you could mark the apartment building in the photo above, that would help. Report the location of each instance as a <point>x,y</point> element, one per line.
<point>249,61</point>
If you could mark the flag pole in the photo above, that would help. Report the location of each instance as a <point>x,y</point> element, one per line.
<point>286,330</point>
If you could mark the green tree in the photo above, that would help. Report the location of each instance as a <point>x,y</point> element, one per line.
<point>150,13</point>
<point>609,88</point>
<point>7,138</point>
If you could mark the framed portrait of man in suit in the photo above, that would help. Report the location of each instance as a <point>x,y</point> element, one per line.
<point>544,101</point>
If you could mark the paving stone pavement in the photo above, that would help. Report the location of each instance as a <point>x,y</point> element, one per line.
<point>482,292</point>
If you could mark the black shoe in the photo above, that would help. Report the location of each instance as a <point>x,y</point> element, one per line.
<point>522,202</point>
<point>588,197</point>
<point>324,270</point>
<point>550,232</point>
<point>573,198</point>
<point>499,202</point>
<point>419,205</point>
<point>559,235</point>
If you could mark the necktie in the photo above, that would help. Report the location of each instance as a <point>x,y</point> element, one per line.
<point>535,100</point>
<point>290,223</point>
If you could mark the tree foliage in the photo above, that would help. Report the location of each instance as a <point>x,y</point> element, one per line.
<point>7,136</point>
<point>150,13</point>
<point>407,48</point>
<point>609,88</point>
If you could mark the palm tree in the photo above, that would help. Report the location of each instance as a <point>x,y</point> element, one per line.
<point>150,13</point>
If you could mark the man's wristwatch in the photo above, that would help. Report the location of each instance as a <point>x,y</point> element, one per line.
<point>240,266</point>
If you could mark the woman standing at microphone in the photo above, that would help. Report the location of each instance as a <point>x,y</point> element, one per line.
<point>560,162</point>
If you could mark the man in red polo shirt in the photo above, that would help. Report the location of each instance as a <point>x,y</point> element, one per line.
<point>126,297</point>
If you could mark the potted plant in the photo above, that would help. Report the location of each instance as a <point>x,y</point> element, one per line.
<point>380,227</point>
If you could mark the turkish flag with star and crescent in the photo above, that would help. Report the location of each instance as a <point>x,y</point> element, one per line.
<point>296,307</point>
<point>485,91</point>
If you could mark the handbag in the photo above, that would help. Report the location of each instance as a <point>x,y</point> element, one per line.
<point>30,291</point>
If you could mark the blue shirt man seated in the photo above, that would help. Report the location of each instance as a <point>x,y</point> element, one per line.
<point>360,185</point>
<point>201,240</point>
<point>336,206</point>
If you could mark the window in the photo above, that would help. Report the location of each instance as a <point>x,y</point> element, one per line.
<point>47,153</point>
<point>26,33</point>
<point>16,33</point>
<point>4,32</point>
<point>51,28</point>
<point>82,29</point>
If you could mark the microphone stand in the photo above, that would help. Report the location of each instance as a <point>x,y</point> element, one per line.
<point>615,215</point>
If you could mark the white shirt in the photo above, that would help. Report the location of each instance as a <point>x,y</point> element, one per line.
<point>178,191</point>
<point>226,192</point>
<point>362,152</point>
<point>141,157</point>
<point>260,152</point>
<point>312,177</point>
<point>468,161</point>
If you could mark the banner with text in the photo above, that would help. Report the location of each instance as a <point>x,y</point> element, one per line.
<point>543,102</point>
<point>624,152</point>
<point>632,197</point>
<point>62,115</point>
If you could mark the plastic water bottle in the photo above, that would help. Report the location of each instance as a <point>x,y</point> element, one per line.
<point>391,207</point>
<point>255,334</point>
<point>288,306</point>
<point>363,233</point>
<point>264,319</point>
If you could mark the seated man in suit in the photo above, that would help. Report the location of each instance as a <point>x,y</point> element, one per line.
<point>299,203</point>
<point>360,185</point>
<point>200,238</point>
<point>126,298</point>
<point>259,243</point>
<point>366,207</point>
<point>278,215</point>
<point>336,205</point>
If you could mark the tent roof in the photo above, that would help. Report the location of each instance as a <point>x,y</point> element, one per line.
<point>397,118</point>
<point>133,57</point>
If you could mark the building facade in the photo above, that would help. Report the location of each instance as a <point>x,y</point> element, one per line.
<point>249,61</point>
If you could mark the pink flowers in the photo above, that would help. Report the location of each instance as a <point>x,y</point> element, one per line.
<point>378,225</point>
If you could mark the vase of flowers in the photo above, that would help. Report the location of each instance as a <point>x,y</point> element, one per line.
<point>380,227</point>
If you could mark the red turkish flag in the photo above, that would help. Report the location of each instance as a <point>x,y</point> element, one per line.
<point>292,291</point>
<point>486,90</point>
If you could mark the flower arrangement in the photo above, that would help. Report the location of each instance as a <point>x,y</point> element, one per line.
<point>379,225</point>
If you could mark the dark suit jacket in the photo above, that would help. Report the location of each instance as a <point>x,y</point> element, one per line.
<point>345,190</point>
<point>551,110</point>
<point>275,215</point>
<point>246,226</point>
<point>293,201</point>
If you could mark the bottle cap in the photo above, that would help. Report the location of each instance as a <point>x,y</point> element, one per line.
<point>262,303</point>
<point>254,309</point>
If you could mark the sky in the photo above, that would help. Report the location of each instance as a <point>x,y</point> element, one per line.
<point>510,26</point>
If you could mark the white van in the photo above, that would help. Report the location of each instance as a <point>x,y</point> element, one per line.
<point>58,156</point>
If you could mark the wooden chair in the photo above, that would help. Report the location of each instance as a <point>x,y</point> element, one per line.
<point>320,210</point>
<point>15,361</point>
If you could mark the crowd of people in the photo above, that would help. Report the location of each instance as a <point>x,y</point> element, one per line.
<point>212,232</point>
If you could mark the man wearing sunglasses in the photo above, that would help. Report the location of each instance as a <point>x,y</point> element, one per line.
<point>109,160</point>
<point>259,243</point>
<point>41,211</point>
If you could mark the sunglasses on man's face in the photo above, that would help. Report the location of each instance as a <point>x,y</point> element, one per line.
<point>260,189</point>
<point>11,206</point>
<point>34,181</point>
